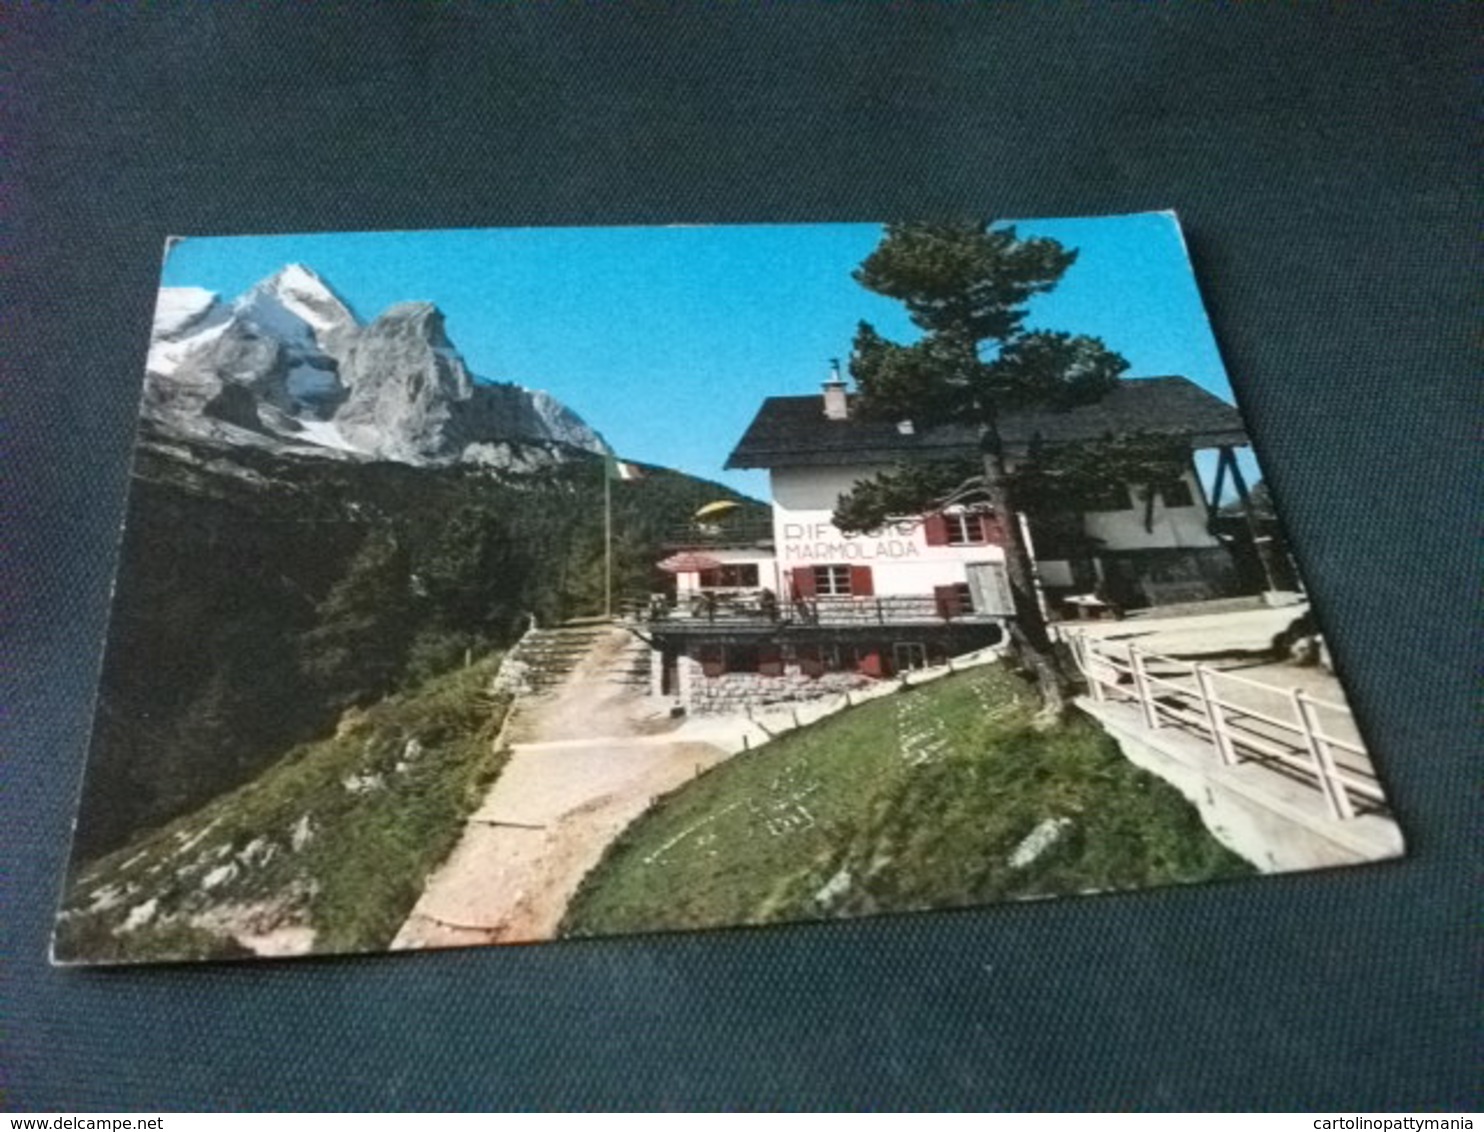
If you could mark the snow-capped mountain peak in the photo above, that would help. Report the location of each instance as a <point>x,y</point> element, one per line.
<point>295,304</point>
<point>287,363</point>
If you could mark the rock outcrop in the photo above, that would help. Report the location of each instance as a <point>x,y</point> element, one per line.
<point>404,383</point>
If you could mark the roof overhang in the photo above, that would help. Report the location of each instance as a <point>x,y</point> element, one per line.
<point>794,431</point>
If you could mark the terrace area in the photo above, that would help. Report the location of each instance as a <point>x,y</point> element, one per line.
<point>745,609</point>
<point>730,532</point>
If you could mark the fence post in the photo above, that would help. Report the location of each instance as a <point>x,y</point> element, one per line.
<point>1141,686</point>
<point>1214,717</point>
<point>1087,658</point>
<point>1334,790</point>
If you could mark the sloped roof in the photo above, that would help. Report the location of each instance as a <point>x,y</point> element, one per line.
<point>794,432</point>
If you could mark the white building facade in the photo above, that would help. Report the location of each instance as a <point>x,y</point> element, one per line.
<point>798,607</point>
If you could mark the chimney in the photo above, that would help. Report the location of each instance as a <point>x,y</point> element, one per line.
<point>835,407</point>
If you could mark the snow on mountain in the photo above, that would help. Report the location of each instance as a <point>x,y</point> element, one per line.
<point>186,320</point>
<point>297,307</point>
<point>287,365</point>
<point>178,307</point>
<point>303,293</point>
<point>326,434</point>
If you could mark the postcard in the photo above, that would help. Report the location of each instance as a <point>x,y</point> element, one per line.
<point>508,586</point>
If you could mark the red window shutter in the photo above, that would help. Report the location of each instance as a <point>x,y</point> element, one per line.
<point>935,530</point>
<point>860,582</point>
<point>946,599</point>
<point>994,530</point>
<point>803,581</point>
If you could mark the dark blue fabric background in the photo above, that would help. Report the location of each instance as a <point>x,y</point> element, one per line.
<point>1322,161</point>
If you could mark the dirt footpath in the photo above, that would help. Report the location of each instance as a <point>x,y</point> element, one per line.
<point>585,762</point>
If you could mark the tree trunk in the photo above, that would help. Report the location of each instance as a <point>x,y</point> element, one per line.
<point>1029,633</point>
<point>1260,542</point>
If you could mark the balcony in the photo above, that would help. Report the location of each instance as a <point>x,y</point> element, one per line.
<point>751,610</point>
<point>736,533</point>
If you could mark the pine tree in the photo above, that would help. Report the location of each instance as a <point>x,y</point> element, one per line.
<point>966,286</point>
<point>357,649</point>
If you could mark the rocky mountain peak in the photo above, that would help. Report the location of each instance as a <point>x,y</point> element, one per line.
<point>296,306</point>
<point>425,318</point>
<point>405,382</point>
<point>288,365</point>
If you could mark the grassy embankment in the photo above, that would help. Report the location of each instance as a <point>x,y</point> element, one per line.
<point>335,839</point>
<point>913,801</point>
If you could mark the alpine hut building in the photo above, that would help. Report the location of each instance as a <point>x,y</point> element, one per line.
<point>794,608</point>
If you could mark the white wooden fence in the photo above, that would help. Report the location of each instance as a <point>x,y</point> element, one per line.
<point>1245,720</point>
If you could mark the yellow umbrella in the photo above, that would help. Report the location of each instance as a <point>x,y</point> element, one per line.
<point>720,507</point>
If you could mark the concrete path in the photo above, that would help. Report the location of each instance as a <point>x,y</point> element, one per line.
<point>1197,634</point>
<point>586,760</point>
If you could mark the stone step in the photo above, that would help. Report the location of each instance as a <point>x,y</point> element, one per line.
<point>551,655</point>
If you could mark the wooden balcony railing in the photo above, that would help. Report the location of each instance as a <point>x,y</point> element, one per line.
<point>750,608</point>
<point>732,532</point>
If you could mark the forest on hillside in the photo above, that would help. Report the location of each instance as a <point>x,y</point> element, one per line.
<point>260,596</point>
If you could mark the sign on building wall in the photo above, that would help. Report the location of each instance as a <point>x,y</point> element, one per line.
<point>824,542</point>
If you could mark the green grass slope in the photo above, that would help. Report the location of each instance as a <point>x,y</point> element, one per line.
<point>919,800</point>
<point>325,851</point>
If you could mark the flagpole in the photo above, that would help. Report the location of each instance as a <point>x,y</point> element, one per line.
<point>607,540</point>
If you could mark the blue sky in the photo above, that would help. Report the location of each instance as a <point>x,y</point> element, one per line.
<point>667,339</point>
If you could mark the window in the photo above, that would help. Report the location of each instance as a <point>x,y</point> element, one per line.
<point>908,656</point>
<point>742,658</point>
<point>815,660</point>
<point>962,528</point>
<point>966,528</point>
<point>832,581</point>
<point>713,661</point>
<point>738,575</point>
<point>953,601</point>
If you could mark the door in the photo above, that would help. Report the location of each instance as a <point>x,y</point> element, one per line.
<point>989,587</point>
